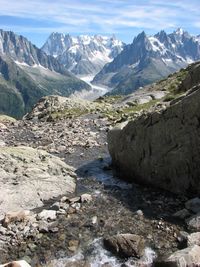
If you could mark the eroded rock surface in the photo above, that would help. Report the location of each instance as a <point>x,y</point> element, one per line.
<point>182,258</point>
<point>162,147</point>
<point>30,176</point>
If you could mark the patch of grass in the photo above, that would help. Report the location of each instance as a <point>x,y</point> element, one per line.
<point>109,99</point>
<point>68,113</point>
<point>119,115</point>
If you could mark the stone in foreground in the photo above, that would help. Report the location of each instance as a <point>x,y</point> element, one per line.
<point>21,263</point>
<point>188,257</point>
<point>193,223</point>
<point>193,239</point>
<point>193,205</point>
<point>125,245</point>
<point>30,176</point>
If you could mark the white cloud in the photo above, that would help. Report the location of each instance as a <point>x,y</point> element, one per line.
<point>102,15</point>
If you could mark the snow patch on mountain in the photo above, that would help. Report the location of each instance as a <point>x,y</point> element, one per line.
<point>84,54</point>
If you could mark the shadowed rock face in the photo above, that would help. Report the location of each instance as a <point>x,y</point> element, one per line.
<point>162,148</point>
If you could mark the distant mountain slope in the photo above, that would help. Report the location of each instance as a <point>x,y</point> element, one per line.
<point>27,74</point>
<point>84,54</point>
<point>149,59</point>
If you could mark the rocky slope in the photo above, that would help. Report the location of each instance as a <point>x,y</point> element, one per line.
<point>27,74</point>
<point>161,147</point>
<point>84,54</point>
<point>148,59</point>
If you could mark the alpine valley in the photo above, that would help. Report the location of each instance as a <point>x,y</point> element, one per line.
<point>110,182</point>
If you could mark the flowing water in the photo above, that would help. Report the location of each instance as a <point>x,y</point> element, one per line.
<point>99,257</point>
<point>95,254</point>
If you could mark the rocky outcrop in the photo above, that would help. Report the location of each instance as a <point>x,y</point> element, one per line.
<point>29,176</point>
<point>162,147</point>
<point>54,104</point>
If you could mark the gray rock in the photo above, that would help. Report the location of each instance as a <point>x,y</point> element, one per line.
<point>55,206</point>
<point>193,223</point>
<point>161,147</point>
<point>193,205</point>
<point>47,215</point>
<point>30,176</point>
<point>183,258</point>
<point>193,239</point>
<point>3,230</point>
<point>182,214</point>
<point>86,198</point>
<point>43,227</point>
<point>183,237</point>
<point>13,217</point>
<point>125,245</point>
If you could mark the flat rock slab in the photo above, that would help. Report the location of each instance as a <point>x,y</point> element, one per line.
<point>29,176</point>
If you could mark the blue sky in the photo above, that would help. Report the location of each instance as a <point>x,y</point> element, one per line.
<point>36,19</point>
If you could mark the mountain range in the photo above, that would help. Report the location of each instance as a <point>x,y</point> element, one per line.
<point>27,74</point>
<point>84,54</point>
<point>148,59</point>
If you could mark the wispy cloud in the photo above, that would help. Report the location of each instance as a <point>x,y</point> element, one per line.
<point>99,16</point>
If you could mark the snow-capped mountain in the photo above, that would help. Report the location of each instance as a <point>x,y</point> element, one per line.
<point>84,54</point>
<point>149,58</point>
<point>27,74</point>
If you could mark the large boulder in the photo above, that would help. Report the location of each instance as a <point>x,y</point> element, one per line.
<point>183,258</point>
<point>126,245</point>
<point>30,176</point>
<point>162,147</point>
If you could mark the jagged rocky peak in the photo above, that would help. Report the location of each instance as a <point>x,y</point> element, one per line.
<point>23,52</point>
<point>16,46</point>
<point>148,59</point>
<point>179,31</point>
<point>57,43</point>
<point>83,54</point>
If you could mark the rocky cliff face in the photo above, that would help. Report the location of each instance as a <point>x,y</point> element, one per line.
<point>162,147</point>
